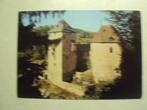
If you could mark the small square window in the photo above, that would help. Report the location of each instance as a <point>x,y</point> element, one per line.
<point>110,50</point>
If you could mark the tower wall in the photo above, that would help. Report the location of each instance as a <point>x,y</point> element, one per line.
<point>105,61</point>
<point>55,61</point>
<point>69,57</point>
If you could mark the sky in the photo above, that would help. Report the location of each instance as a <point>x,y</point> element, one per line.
<point>86,20</point>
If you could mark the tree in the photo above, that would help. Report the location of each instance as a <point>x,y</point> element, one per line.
<point>128,26</point>
<point>35,16</point>
<point>32,51</point>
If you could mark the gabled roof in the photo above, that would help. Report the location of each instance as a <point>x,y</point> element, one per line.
<point>62,26</point>
<point>106,34</point>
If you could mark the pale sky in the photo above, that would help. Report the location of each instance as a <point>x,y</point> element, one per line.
<point>86,20</point>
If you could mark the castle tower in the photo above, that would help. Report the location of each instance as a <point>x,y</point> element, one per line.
<point>105,55</point>
<point>61,52</point>
<point>62,58</point>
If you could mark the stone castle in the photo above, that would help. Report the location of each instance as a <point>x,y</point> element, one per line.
<point>104,55</point>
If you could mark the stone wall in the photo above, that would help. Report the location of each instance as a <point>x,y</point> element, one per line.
<point>55,62</point>
<point>69,57</point>
<point>105,61</point>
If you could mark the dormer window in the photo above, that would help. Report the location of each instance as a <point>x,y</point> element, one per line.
<point>111,38</point>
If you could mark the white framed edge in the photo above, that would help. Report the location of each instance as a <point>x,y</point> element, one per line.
<point>8,50</point>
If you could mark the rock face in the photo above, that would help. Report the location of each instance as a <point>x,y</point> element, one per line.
<point>105,55</point>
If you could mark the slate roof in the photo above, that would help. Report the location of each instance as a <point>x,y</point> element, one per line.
<point>106,34</point>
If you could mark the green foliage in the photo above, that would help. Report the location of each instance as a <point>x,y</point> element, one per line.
<point>84,37</point>
<point>95,91</point>
<point>35,16</point>
<point>127,24</point>
<point>32,49</point>
<point>41,30</point>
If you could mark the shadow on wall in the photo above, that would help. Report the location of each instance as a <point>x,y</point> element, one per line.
<point>129,86</point>
<point>80,61</point>
<point>83,57</point>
